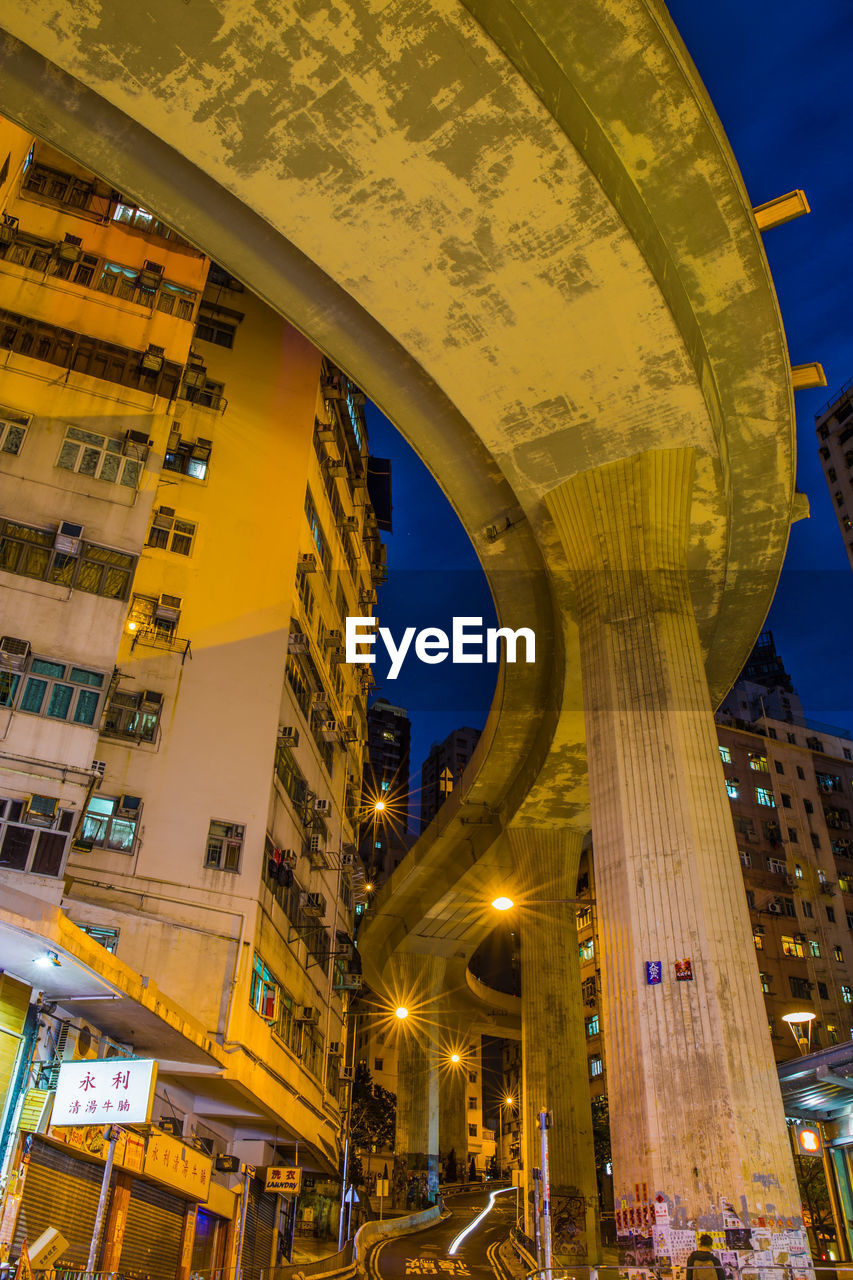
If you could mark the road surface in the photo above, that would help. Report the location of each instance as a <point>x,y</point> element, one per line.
<point>426,1253</point>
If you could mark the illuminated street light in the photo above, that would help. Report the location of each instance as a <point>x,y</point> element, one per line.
<point>503,904</point>
<point>797,1021</point>
<point>401,1012</point>
<point>454,1057</point>
<point>379,807</point>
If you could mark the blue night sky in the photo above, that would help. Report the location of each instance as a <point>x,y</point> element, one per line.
<point>778,75</point>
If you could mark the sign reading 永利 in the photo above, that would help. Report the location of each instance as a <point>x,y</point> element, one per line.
<point>105,1091</point>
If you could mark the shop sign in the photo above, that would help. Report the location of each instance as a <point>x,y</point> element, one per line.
<point>105,1091</point>
<point>89,1140</point>
<point>808,1140</point>
<point>287,1181</point>
<point>178,1165</point>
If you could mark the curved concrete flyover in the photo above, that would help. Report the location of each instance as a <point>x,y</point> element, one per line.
<point>519,227</point>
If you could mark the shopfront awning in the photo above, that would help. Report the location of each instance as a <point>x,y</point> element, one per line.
<point>818,1086</point>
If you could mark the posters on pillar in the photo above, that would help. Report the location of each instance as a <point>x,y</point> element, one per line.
<point>684,970</point>
<point>744,1253</point>
<point>654,972</point>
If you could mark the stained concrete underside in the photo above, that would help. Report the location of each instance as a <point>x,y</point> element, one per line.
<point>519,227</point>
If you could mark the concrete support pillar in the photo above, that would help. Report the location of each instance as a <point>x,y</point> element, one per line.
<point>452,1094</point>
<point>695,1106</point>
<point>417,983</point>
<point>553,1047</point>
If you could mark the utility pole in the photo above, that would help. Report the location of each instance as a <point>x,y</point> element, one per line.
<point>545,1118</point>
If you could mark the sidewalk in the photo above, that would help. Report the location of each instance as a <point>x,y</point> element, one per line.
<point>310,1249</point>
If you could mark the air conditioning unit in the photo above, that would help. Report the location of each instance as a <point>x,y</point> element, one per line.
<point>334,1048</point>
<point>775,908</point>
<point>349,524</point>
<point>320,701</point>
<point>168,608</point>
<point>297,642</point>
<point>307,1013</point>
<point>322,806</point>
<point>70,249</point>
<point>313,904</point>
<point>164,518</point>
<point>150,699</point>
<point>367,597</point>
<point>150,276</point>
<point>153,358</point>
<point>129,806</point>
<point>137,443</point>
<point>68,537</point>
<point>14,652</point>
<point>195,375</point>
<point>289,735</point>
<point>333,639</point>
<point>86,1044</point>
<point>329,730</point>
<point>307,562</point>
<point>40,811</point>
<point>335,466</point>
<point>353,728</point>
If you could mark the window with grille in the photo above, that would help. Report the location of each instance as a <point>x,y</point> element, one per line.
<point>169,532</point>
<point>30,552</point>
<point>217,325</point>
<point>26,848</point>
<point>99,457</point>
<point>56,690</point>
<point>224,846</point>
<point>13,429</point>
<point>133,714</point>
<point>111,822</point>
<point>188,458</point>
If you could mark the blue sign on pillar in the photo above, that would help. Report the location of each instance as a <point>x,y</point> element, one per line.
<point>654,971</point>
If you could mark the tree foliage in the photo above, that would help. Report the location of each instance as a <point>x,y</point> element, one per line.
<point>373,1122</point>
<point>601,1130</point>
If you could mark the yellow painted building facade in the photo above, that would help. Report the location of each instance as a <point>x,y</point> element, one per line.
<point>184,526</point>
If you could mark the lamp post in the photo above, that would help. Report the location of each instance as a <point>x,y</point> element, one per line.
<point>801,1028</point>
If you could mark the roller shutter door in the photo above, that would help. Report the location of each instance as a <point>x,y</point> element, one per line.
<point>152,1235</point>
<point>260,1225</point>
<point>60,1191</point>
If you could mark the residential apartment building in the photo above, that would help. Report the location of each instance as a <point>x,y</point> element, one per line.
<point>443,768</point>
<point>834,426</point>
<point>184,527</point>
<point>385,794</point>
<point>790,784</point>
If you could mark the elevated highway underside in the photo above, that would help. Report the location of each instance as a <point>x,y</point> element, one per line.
<point>519,227</point>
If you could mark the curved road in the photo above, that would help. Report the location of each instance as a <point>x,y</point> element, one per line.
<point>426,1252</point>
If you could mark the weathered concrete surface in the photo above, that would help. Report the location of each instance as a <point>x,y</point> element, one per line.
<point>692,1080</point>
<point>526,239</point>
<point>519,227</point>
